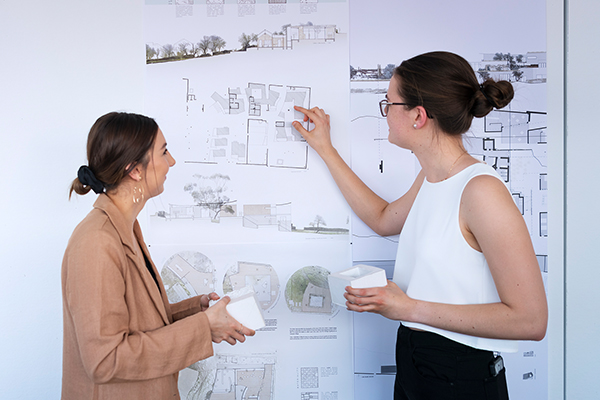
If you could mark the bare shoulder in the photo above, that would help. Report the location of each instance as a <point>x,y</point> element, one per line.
<point>488,210</point>
<point>485,192</point>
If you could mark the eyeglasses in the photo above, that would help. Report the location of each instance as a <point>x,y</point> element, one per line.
<point>384,105</point>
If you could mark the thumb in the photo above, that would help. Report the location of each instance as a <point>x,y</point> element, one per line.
<point>299,127</point>
<point>225,300</point>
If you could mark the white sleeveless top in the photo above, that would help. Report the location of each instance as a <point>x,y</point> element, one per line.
<point>434,261</point>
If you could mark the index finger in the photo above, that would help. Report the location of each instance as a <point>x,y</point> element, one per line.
<point>312,113</point>
<point>247,331</point>
<point>308,114</point>
<point>301,109</point>
<point>365,292</point>
<point>356,292</point>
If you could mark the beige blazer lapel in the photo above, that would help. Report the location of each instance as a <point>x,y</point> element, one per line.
<point>159,297</point>
<point>132,250</point>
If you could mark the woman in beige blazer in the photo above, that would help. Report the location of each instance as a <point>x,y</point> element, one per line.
<point>122,338</point>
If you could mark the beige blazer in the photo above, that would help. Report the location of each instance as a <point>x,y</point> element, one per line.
<point>122,338</point>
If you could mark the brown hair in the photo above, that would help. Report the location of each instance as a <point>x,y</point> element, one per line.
<point>446,86</point>
<point>117,142</point>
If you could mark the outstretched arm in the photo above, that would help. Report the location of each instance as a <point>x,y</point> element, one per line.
<point>383,217</point>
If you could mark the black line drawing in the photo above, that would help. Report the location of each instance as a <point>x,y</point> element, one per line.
<point>257,130</point>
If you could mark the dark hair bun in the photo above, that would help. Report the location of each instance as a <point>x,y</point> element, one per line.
<point>491,94</point>
<point>445,85</point>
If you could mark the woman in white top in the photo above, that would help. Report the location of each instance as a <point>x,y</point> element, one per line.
<point>467,282</point>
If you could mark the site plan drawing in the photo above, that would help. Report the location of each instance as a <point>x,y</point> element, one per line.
<point>274,362</point>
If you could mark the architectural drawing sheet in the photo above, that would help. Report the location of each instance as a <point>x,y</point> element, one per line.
<point>248,202</point>
<point>305,347</point>
<point>512,140</point>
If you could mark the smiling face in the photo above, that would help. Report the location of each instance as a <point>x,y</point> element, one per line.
<point>160,162</point>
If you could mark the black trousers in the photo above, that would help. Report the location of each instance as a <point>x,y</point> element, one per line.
<point>430,366</point>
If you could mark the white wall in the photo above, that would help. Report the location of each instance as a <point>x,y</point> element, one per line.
<point>63,63</point>
<point>582,184</point>
<point>556,212</point>
<point>574,268</point>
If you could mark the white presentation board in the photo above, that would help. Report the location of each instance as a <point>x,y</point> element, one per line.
<point>250,203</point>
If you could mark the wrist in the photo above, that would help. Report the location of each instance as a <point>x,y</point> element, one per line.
<point>329,153</point>
<point>413,311</point>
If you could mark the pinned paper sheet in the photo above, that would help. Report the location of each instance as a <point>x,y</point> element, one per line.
<point>244,308</point>
<point>360,276</point>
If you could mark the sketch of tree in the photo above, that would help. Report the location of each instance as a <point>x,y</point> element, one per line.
<point>517,74</point>
<point>216,43</point>
<point>247,40</point>
<point>483,74</point>
<point>388,71</point>
<point>182,49</point>
<point>168,50</point>
<point>195,50</point>
<point>318,222</point>
<point>150,52</point>
<point>204,45</point>
<point>209,193</point>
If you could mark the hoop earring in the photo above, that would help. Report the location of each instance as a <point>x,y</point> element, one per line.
<point>138,194</point>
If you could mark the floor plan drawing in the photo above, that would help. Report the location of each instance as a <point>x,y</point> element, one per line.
<point>234,377</point>
<point>262,277</point>
<point>512,140</point>
<point>514,143</point>
<point>257,129</point>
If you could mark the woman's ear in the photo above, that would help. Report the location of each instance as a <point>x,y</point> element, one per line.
<point>420,117</point>
<point>135,173</point>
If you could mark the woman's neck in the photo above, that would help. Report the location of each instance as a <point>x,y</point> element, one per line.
<point>442,157</point>
<point>124,200</point>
